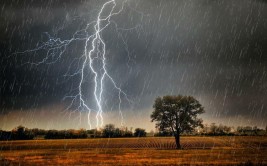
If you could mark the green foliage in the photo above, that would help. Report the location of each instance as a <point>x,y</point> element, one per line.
<point>110,131</point>
<point>177,113</point>
<point>66,134</point>
<point>139,132</point>
<point>19,133</point>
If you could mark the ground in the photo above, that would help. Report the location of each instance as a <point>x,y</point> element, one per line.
<point>137,151</point>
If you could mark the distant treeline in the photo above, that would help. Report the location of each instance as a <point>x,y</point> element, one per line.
<point>220,130</point>
<point>109,131</point>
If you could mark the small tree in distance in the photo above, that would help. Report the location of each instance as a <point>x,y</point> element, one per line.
<point>178,114</point>
<point>139,132</point>
<point>109,130</point>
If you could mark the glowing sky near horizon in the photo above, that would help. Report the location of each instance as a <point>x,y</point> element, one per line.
<point>213,50</point>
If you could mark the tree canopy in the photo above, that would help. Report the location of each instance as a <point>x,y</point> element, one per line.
<point>139,132</point>
<point>178,114</point>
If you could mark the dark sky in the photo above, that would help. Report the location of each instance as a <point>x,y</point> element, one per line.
<point>214,50</point>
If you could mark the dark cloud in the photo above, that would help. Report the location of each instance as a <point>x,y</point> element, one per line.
<point>213,49</point>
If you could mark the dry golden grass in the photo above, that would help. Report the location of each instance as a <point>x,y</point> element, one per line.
<point>136,151</point>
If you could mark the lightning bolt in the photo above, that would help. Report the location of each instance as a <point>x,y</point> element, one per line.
<point>93,58</point>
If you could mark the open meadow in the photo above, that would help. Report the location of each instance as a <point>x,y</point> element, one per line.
<point>234,150</point>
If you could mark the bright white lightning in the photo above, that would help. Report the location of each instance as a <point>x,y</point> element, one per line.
<point>94,52</point>
<point>98,46</point>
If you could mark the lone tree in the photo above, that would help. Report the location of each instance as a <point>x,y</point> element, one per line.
<point>178,114</point>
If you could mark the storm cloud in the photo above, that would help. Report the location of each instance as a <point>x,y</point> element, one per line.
<point>214,50</point>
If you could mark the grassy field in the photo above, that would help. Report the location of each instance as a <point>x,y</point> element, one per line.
<point>136,151</point>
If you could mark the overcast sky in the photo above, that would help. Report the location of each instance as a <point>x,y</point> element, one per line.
<point>214,50</point>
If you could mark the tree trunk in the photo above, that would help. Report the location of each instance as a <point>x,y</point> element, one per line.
<point>177,141</point>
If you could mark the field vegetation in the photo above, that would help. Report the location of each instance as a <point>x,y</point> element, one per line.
<point>196,150</point>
